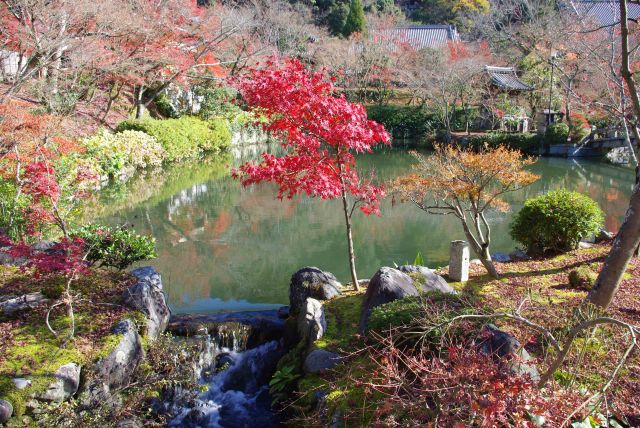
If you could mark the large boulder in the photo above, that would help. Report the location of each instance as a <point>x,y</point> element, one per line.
<point>65,385</point>
<point>146,296</point>
<point>12,305</point>
<point>426,280</point>
<point>320,360</point>
<point>116,369</point>
<point>314,283</point>
<point>311,321</point>
<point>506,349</point>
<point>6,410</point>
<point>387,285</point>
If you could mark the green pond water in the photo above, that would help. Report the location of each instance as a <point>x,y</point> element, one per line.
<point>224,247</point>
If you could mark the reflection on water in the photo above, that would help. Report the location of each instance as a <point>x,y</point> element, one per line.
<point>222,247</point>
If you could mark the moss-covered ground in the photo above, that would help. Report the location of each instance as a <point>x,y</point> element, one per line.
<point>29,350</point>
<point>550,301</point>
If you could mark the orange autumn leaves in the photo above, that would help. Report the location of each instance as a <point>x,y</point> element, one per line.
<point>452,175</point>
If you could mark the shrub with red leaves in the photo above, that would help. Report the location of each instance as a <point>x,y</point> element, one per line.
<point>462,387</point>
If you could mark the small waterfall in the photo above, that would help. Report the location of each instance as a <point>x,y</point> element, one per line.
<point>238,392</point>
<point>237,354</point>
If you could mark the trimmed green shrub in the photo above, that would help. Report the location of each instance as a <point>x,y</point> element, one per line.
<point>556,133</point>
<point>124,152</point>
<point>401,121</point>
<point>525,142</point>
<point>116,247</point>
<point>583,277</point>
<point>556,221</point>
<point>185,137</point>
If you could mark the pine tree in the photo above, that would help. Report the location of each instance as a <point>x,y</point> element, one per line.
<point>356,22</point>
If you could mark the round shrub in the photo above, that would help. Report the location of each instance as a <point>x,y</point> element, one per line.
<point>116,247</point>
<point>557,133</point>
<point>556,221</point>
<point>123,153</point>
<point>582,277</point>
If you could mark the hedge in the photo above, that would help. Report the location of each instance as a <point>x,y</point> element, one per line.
<point>184,137</point>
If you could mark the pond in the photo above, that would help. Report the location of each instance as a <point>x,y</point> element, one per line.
<point>224,247</point>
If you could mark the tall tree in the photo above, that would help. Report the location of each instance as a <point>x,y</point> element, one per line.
<point>320,134</point>
<point>628,238</point>
<point>356,22</point>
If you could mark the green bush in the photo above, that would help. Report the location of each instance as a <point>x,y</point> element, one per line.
<point>216,101</point>
<point>525,142</point>
<point>556,221</point>
<point>164,106</point>
<point>583,277</point>
<point>401,121</point>
<point>556,133</point>
<point>13,210</point>
<point>185,137</point>
<point>116,247</point>
<point>124,152</point>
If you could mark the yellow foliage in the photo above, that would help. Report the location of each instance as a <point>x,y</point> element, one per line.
<point>455,177</point>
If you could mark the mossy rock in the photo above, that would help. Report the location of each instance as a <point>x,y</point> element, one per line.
<point>583,277</point>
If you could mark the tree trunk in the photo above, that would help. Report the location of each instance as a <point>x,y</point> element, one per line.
<point>481,250</point>
<point>628,237</point>
<point>622,250</point>
<point>352,256</point>
<point>485,258</point>
<point>140,106</point>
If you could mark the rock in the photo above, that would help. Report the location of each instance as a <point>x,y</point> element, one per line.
<point>501,258</point>
<point>584,245</point>
<point>320,360</point>
<point>148,274</point>
<point>387,285</point>
<point>21,383</point>
<point>604,236</point>
<point>314,283</point>
<point>283,312</point>
<point>430,281</point>
<point>311,321</point>
<point>248,329</point>
<point>6,410</point>
<point>9,260</point>
<point>519,254</point>
<point>115,369</point>
<point>504,347</point>
<point>146,295</point>
<point>10,305</point>
<point>65,385</point>
<point>43,246</point>
<point>130,423</point>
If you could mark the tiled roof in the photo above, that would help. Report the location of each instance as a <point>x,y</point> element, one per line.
<point>424,36</point>
<point>506,78</point>
<point>603,12</point>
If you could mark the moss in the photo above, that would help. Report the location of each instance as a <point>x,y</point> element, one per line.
<point>582,277</point>
<point>343,316</point>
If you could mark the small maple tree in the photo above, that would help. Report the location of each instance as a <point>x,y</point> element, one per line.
<point>320,133</point>
<point>467,184</point>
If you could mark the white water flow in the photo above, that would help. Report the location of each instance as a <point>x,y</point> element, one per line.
<point>238,392</point>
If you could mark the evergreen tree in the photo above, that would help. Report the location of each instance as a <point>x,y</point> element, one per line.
<point>356,22</point>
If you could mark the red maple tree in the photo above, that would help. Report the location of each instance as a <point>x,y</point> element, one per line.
<point>320,132</point>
